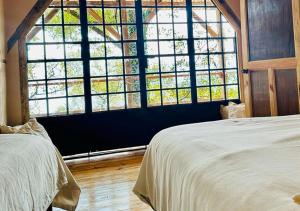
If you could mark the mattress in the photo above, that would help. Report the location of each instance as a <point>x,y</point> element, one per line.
<point>242,164</point>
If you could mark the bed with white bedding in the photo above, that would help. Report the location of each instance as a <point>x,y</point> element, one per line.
<point>32,172</point>
<point>228,165</point>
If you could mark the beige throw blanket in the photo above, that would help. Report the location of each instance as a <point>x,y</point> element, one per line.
<point>42,157</point>
<point>229,165</point>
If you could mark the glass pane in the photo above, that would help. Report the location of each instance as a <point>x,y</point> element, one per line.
<point>76,105</point>
<point>94,15</point>
<point>74,69</point>
<point>184,96</point>
<point>164,15</point>
<point>132,83</point>
<point>97,68</point>
<point>215,46</point>
<point>116,101</point>
<point>165,31</point>
<point>167,64</point>
<point>129,32</point>
<point>150,31</point>
<point>199,14</point>
<point>128,16</point>
<point>217,93</point>
<point>166,47</point>
<point>152,81</point>
<point>74,3</point>
<point>169,97</point>
<point>217,77</point>
<point>35,35</point>
<point>35,52</point>
<point>96,33</point>
<point>53,16</point>
<point>230,60</point>
<point>180,31</point>
<point>115,84</point>
<point>131,66</point>
<point>231,76</point>
<point>53,34</point>
<point>73,51</point>
<point>201,62</point>
<point>36,90</point>
<point>56,88</point>
<point>203,94</point>
<point>57,106</point>
<point>130,49</point>
<point>73,33</point>
<point>168,81</point>
<point>36,71</point>
<point>98,85</point>
<point>54,51</point>
<point>182,63</point>
<point>97,50</point>
<point>228,31</point>
<point>72,16</point>
<point>55,70</point>
<point>183,80</point>
<point>229,45</point>
<point>153,98</point>
<point>213,15</point>
<point>179,15</point>
<point>214,29</point>
<point>216,61</point>
<point>232,92</point>
<point>181,47</point>
<point>114,49</point>
<point>133,100</point>
<point>115,67</point>
<point>99,103</point>
<point>153,65</point>
<point>199,30</point>
<point>75,87</point>
<point>200,46</point>
<point>151,48</point>
<point>202,78</point>
<point>112,16</point>
<point>37,108</point>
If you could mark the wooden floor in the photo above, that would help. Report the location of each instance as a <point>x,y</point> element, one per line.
<point>107,183</point>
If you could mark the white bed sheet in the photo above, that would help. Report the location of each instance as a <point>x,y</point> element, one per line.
<point>230,165</point>
<point>30,173</point>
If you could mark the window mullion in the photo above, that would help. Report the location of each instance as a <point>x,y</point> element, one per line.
<point>141,52</point>
<point>191,50</point>
<point>85,52</point>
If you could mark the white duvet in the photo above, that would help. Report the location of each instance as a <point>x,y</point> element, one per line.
<point>29,173</point>
<point>33,174</point>
<point>230,165</point>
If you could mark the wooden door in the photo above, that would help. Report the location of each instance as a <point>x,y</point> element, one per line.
<point>270,48</point>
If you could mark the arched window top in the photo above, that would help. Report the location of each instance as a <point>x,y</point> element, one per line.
<point>103,55</point>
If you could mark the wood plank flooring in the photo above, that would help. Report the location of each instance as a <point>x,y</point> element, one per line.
<point>107,183</point>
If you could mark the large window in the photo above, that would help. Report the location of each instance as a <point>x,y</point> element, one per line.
<point>101,55</point>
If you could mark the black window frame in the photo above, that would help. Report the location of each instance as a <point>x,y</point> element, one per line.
<point>86,57</point>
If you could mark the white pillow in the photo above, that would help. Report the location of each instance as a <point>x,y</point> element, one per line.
<point>233,111</point>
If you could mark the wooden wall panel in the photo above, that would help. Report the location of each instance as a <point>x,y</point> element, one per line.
<point>2,94</point>
<point>270,29</point>
<point>260,93</point>
<point>286,89</point>
<point>2,34</point>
